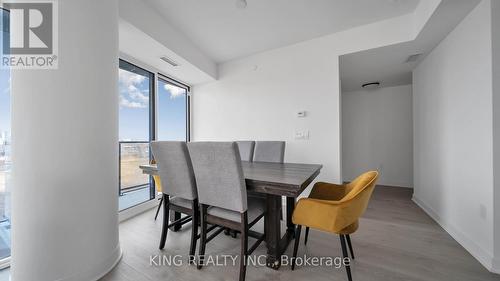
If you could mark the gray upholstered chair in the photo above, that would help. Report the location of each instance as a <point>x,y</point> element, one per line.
<point>269,151</point>
<point>246,150</point>
<point>223,196</point>
<point>178,187</point>
<point>274,152</point>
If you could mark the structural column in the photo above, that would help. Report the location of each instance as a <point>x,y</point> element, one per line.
<point>65,156</point>
<point>495,32</point>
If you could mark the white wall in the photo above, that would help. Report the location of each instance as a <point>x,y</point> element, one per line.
<point>377,134</point>
<point>453,144</point>
<point>64,151</point>
<point>261,104</point>
<point>258,97</point>
<point>496,126</point>
<point>149,21</point>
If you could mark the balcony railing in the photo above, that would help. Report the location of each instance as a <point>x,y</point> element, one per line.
<point>5,167</point>
<point>132,154</point>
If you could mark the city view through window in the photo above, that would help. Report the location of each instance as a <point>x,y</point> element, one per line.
<point>135,91</point>
<point>5,147</point>
<point>137,124</point>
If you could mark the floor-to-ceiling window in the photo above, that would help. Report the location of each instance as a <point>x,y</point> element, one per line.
<point>5,144</point>
<point>146,113</point>
<point>136,130</point>
<point>173,110</point>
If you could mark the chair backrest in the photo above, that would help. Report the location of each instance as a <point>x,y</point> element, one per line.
<point>363,183</point>
<point>175,169</point>
<point>269,151</point>
<point>246,150</point>
<point>355,202</point>
<point>219,175</point>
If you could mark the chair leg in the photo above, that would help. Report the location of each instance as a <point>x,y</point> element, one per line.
<point>194,231</point>
<point>307,235</point>
<point>344,253</point>
<point>203,240</point>
<point>164,228</point>
<point>296,246</point>
<point>348,238</point>
<point>244,246</point>
<point>176,216</point>
<point>159,207</point>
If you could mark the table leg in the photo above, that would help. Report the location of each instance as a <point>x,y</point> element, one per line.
<point>173,217</point>
<point>290,206</point>
<point>273,231</point>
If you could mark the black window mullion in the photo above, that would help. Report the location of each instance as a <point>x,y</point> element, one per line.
<point>127,66</point>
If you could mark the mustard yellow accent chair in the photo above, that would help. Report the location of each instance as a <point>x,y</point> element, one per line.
<point>156,179</point>
<point>336,209</point>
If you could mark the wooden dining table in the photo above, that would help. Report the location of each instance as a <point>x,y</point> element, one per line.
<point>273,181</point>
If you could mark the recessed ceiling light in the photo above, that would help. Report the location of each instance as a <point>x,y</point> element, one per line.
<point>242,4</point>
<point>371,85</point>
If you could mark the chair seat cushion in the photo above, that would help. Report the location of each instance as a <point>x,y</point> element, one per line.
<point>256,207</point>
<point>181,202</point>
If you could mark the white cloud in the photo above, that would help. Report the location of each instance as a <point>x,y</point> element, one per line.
<point>7,89</point>
<point>130,104</point>
<point>128,78</point>
<point>137,95</point>
<point>130,93</point>
<point>174,91</point>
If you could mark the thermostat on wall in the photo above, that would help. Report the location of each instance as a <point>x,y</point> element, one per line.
<point>301,114</point>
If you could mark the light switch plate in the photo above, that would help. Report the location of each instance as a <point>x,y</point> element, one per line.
<point>302,135</point>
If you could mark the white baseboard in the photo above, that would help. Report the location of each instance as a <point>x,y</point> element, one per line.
<point>392,185</point>
<point>109,264</point>
<point>496,266</point>
<point>102,269</point>
<point>136,210</point>
<point>485,258</point>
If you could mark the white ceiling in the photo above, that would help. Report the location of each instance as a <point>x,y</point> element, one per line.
<point>387,64</point>
<point>133,42</point>
<point>224,32</point>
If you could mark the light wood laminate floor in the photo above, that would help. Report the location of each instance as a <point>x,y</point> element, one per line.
<point>396,241</point>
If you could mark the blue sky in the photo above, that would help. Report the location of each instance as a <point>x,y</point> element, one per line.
<point>171,112</point>
<point>4,101</point>
<point>134,106</point>
<point>4,95</point>
<point>134,109</point>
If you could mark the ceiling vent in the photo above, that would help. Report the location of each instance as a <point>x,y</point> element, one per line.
<point>413,58</point>
<point>169,61</point>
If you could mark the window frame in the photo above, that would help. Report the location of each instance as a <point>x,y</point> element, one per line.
<point>169,80</point>
<point>151,133</point>
<point>153,116</point>
<point>5,262</point>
